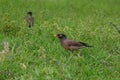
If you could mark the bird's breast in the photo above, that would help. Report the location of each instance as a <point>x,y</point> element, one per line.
<point>66,46</point>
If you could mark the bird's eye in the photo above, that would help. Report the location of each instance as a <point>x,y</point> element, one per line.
<point>60,35</point>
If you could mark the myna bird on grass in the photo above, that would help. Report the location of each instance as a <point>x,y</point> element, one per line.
<point>70,44</point>
<point>30,19</point>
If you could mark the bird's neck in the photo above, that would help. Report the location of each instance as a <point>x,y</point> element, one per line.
<point>29,15</point>
<point>63,39</point>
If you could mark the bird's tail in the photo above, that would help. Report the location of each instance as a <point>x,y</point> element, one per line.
<point>85,44</point>
<point>89,46</point>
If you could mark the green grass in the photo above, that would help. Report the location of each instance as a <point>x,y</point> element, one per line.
<point>35,54</point>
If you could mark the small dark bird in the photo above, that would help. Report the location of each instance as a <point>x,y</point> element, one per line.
<point>30,19</point>
<point>70,44</point>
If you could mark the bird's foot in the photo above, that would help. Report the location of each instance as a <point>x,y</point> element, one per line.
<point>79,54</point>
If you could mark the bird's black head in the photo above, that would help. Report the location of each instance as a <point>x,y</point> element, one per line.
<point>29,13</point>
<point>61,36</point>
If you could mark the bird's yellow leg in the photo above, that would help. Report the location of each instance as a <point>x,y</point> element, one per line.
<point>71,55</point>
<point>79,54</point>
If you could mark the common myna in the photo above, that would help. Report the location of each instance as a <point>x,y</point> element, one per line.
<point>70,44</point>
<point>30,19</point>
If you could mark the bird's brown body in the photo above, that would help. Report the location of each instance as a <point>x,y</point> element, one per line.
<point>70,44</point>
<point>30,19</point>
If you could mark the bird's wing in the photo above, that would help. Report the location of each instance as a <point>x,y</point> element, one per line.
<point>77,44</point>
<point>32,21</point>
<point>72,43</point>
<point>85,44</point>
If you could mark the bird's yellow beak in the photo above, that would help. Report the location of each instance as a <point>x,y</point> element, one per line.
<point>54,35</point>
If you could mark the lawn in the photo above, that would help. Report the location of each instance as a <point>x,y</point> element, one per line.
<point>35,54</point>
